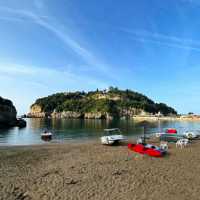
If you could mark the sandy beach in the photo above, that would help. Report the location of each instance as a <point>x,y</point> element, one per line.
<point>93,171</point>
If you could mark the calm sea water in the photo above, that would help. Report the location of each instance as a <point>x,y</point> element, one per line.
<point>66,130</point>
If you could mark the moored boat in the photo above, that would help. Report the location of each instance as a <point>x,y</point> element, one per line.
<point>46,136</point>
<point>171,137</point>
<point>167,131</point>
<point>191,134</point>
<point>171,131</point>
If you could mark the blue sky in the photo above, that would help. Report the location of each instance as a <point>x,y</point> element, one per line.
<point>152,47</point>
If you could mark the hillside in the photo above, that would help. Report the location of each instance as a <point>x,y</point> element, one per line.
<point>97,104</point>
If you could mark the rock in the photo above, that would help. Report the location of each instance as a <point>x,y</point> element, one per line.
<point>8,113</point>
<point>95,115</point>
<point>70,181</point>
<point>67,114</point>
<point>119,172</point>
<point>36,112</point>
<point>21,123</point>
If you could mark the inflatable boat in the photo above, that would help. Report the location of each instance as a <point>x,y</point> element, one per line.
<point>147,149</point>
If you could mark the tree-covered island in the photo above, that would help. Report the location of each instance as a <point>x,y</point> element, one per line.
<point>111,103</point>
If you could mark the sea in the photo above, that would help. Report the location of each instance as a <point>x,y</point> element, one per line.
<point>84,130</point>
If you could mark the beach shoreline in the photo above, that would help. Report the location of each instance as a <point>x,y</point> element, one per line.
<point>93,171</point>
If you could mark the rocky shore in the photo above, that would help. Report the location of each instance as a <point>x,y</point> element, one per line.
<point>37,112</point>
<point>8,114</point>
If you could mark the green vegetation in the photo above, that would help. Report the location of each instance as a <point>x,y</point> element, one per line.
<point>113,101</point>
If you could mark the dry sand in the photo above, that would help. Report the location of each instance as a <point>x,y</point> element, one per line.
<point>93,171</point>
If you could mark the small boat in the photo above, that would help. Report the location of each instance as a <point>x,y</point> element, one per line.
<point>171,137</point>
<point>147,149</point>
<point>159,134</point>
<point>167,131</point>
<point>191,134</point>
<point>171,131</point>
<point>112,136</point>
<point>46,136</point>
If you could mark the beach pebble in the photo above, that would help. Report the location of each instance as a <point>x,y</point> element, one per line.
<point>70,181</point>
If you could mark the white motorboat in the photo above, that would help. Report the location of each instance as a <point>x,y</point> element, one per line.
<point>191,134</point>
<point>159,134</point>
<point>112,136</point>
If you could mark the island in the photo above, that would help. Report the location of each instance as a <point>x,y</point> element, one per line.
<point>99,104</point>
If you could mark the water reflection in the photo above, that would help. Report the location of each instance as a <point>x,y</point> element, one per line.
<point>78,130</point>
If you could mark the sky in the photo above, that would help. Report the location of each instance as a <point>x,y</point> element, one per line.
<point>152,47</point>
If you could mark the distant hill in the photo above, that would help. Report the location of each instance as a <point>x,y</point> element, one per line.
<point>98,104</point>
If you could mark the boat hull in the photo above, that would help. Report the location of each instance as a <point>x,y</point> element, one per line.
<point>113,139</point>
<point>46,137</point>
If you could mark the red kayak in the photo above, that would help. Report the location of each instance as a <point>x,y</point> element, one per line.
<point>171,131</point>
<point>148,149</point>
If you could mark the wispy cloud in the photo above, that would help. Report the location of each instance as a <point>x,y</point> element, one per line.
<point>17,70</point>
<point>61,33</point>
<point>37,81</point>
<point>168,44</point>
<point>197,2</point>
<point>47,76</point>
<point>162,39</point>
<point>11,19</point>
<point>23,84</point>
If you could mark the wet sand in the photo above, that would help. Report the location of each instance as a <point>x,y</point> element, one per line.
<point>93,171</point>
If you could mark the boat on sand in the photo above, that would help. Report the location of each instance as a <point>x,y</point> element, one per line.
<point>112,136</point>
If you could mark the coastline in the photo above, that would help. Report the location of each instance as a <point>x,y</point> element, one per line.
<point>94,171</point>
<point>140,118</point>
<point>167,118</point>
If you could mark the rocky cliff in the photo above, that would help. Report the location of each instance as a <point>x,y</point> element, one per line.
<point>7,113</point>
<point>36,111</point>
